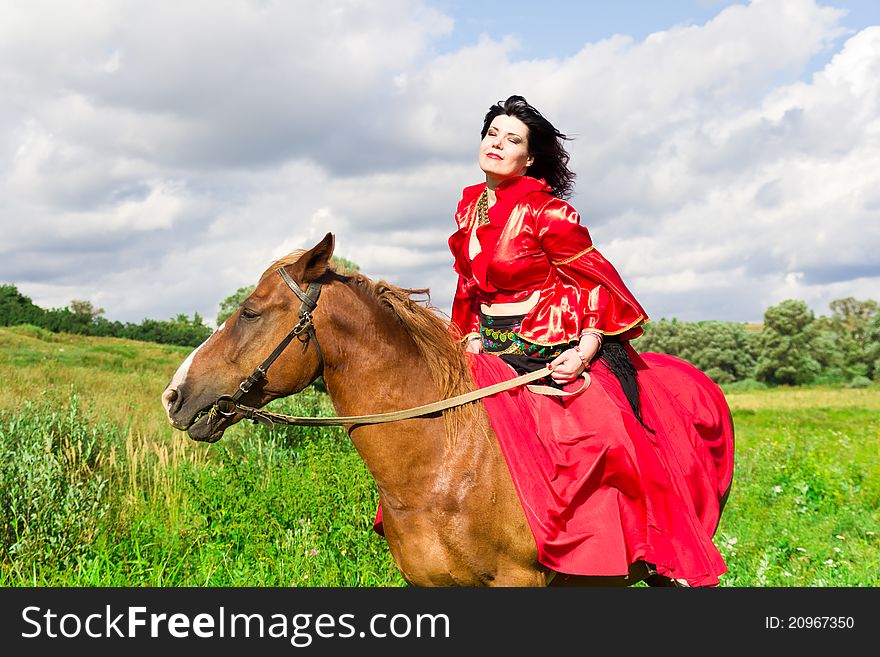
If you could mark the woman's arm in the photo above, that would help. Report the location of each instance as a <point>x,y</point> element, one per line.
<point>604,304</point>
<point>465,319</point>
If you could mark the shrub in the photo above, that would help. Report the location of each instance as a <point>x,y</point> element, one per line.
<point>745,385</point>
<point>52,494</point>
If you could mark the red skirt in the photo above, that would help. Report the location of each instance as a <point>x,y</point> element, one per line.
<point>601,490</point>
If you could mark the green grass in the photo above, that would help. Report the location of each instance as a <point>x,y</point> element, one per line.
<point>261,508</point>
<point>804,505</point>
<point>97,490</point>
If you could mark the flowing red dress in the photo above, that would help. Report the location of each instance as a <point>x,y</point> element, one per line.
<point>600,489</point>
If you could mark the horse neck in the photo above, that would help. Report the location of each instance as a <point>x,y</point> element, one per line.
<point>372,365</point>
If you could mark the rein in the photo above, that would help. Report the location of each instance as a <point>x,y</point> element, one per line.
<point>229,405</point>
<point>271,419</point>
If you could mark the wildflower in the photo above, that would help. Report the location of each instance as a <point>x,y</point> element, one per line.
<point>777,489</point>
<point>313,552</point>
<point>800,549</point>
<point>840,537</point>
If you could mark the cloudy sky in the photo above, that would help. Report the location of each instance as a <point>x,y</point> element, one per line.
<point>155,156</point>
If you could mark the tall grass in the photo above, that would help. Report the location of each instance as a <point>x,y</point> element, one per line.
<point>97,489</point>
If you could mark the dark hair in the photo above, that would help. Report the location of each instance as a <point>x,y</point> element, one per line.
<point>545,144</point>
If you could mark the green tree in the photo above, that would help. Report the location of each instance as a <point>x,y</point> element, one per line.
<point>785,346</point>
<point>853,315</point>
<point>669,336</point>
<point>845,338</point>
<point>180,330</point>
<point>16,308</point>
<point>725,351</point>
<point>85,308</point>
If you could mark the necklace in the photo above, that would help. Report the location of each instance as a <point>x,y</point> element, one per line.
<point>483,208</point>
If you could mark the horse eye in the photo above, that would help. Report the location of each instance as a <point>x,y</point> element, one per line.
<point>249,315</point>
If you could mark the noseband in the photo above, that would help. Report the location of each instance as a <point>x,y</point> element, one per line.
<point>227,404</point>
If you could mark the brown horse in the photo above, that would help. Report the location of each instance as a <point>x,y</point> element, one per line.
<point>451,514</point>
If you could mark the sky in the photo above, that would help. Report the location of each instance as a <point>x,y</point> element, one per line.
<point>155,157</point>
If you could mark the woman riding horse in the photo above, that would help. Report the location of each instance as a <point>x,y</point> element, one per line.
<point>623,480</point>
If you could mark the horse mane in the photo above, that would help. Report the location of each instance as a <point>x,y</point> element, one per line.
<point>429,329</point>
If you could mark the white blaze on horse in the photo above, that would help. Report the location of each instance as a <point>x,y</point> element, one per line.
<point>450,511</point>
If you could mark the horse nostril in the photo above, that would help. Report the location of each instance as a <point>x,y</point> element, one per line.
<point>172,400</point>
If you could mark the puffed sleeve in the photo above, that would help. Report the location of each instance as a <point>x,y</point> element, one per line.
<point>465,317</point>
<point>602,300</point>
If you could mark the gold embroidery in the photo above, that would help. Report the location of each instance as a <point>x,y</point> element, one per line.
<point>574,257</point>
<point>483,208</point>
<point>627,328</point>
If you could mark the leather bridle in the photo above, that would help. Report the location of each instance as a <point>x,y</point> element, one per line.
<point>228,404</point>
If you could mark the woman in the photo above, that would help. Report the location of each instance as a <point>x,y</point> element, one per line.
<point>634,468</point>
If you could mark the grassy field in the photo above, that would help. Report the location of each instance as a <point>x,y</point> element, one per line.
<point>96,488</point>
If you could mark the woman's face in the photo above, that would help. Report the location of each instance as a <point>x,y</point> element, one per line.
<point>504,151</point>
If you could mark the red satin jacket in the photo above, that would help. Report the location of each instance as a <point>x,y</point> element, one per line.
<point>534,241</point>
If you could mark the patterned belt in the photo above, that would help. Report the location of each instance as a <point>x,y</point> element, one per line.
<point>499,336</point>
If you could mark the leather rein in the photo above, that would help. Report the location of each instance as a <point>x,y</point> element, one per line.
<point>304,331</point>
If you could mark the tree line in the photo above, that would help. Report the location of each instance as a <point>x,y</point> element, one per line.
<point>82,318</point>
<point>793,346</point>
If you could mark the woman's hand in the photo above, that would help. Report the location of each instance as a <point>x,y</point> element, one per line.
<point>569,365</point>
<point>566,367</point>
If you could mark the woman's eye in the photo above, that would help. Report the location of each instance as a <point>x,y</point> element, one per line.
<point>248,314</point>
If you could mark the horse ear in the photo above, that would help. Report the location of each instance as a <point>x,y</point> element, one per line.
<point>317,259</point>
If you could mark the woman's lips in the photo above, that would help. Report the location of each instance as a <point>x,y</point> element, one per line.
<point>494,156</point>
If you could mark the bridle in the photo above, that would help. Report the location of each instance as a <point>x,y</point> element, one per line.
<point>228,404</point>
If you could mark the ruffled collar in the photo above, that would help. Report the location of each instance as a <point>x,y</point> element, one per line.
<point>510,190</point>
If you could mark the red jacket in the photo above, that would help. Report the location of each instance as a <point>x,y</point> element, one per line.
<point>534,241</point>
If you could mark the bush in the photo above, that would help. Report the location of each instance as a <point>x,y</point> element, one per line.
<point>860,382</point>
<point>832,376</point>
<point>52,494</point>
<point>31,331</point>
<point>719,376</point>
<point>744,386</point>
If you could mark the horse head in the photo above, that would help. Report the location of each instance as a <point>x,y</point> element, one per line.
<point>221,366</point>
